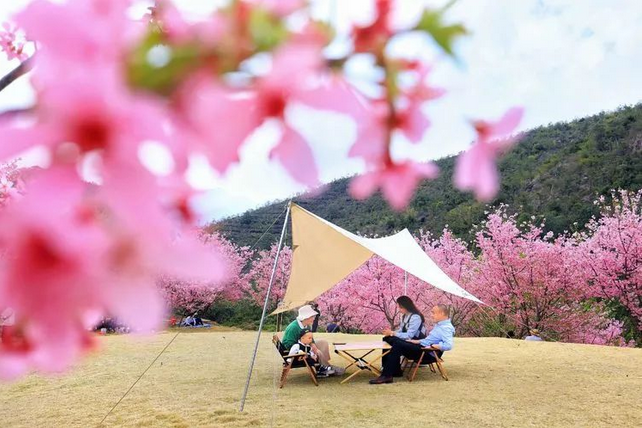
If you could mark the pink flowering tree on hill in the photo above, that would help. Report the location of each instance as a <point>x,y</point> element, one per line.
<point>107,83</point>
<point>186,297</point>
<point>532,281</point>
<point>369,295</point>
<point>611,258</point>
<point>254,282</point>
<point>453,256</point>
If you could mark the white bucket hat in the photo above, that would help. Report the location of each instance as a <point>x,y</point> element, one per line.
<point>306,312</point>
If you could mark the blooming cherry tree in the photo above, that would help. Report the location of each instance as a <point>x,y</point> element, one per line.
<point>188,296</point>
<point>611,257</point>
<point>255,281</point>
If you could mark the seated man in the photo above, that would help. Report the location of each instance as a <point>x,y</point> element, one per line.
<point>440,337</point>
<point>294,331</point>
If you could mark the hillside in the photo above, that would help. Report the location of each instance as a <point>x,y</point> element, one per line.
<point>555,172</point>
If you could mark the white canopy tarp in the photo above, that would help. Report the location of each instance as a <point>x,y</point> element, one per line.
<point>324,254</point>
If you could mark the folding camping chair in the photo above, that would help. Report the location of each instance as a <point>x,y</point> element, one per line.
<point>412,366</point>
<point>293,362</point>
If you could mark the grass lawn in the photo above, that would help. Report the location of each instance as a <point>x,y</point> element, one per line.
<point>200,378</point>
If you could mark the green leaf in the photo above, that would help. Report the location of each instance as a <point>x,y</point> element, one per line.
<point>162,80</point>
<point>266,30</point>
<point>444,35</point>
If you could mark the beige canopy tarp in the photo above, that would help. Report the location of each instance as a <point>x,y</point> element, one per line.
<point>323,254</point>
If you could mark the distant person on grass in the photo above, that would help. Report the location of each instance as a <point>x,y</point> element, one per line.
<point>320,347</point>
<point>534,336</point>
<point>333,327</point>
<point>440,337</point>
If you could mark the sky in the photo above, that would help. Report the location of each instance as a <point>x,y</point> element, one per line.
<point>559,59</point>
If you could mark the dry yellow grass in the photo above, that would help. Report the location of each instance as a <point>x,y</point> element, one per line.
<point>199,380</point>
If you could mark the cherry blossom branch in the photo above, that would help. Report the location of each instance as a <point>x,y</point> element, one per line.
<point>16,73</point>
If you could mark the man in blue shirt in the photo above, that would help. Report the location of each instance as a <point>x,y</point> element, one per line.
<point>440,338</point>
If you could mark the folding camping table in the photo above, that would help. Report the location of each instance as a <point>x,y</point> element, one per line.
<point>348,351</point>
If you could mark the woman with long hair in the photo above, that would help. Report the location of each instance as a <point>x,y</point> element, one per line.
<point>412,322</point>
<point>411,327</point>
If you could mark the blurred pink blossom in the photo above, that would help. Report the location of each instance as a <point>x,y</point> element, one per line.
<point>476,169</point>
<point>397,182</point>
<point>11,43</point>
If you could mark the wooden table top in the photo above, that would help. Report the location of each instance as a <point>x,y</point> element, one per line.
<point>360,346</point>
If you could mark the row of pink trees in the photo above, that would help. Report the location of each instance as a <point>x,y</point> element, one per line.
<point>582,288</point>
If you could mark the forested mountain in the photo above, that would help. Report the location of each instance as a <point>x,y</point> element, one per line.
<point>556,172</point>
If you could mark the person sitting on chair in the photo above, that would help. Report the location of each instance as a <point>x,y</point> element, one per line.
<point>412,323</point>
<point>305,345</point>
<point>440,338</point>
<point>320,347</point>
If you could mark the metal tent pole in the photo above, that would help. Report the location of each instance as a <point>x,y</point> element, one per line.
<point>265,305</point>
<point>405,283</point>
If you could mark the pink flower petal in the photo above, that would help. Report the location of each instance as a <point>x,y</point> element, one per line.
<point>475,170</point>
<point>508,122</point>
<point>219,120</point>
<point>292,66</point>
<point>400,181</point>
<point>414,123</point>
<point>16,140</point>
<point>296,157</point>
<point>335,94</point>
<point>363,186</point>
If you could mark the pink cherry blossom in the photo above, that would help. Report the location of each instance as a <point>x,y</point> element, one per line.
<point>297,76</point>
<point>49,274</point>
<point>373,37</point>
<point>11,43</point>
<point>92,112</point>
<point>218,120</point>
<point>377,128</point>
<point>95,33</point>
<point>476,169</point>
<point>397,182</point>
<point>65,269</point>
<point>255,281</point>
<point>10,183</point>
<point>410,119</point>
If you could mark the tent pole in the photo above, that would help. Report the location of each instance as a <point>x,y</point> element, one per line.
<point>405,283</point>
<point>265,305</point>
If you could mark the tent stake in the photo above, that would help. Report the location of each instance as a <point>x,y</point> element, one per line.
<point>265,305</point>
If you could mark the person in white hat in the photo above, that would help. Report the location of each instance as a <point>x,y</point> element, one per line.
<point>296,329</point>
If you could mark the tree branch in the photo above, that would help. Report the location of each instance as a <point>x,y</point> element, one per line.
<point>17,72</point>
